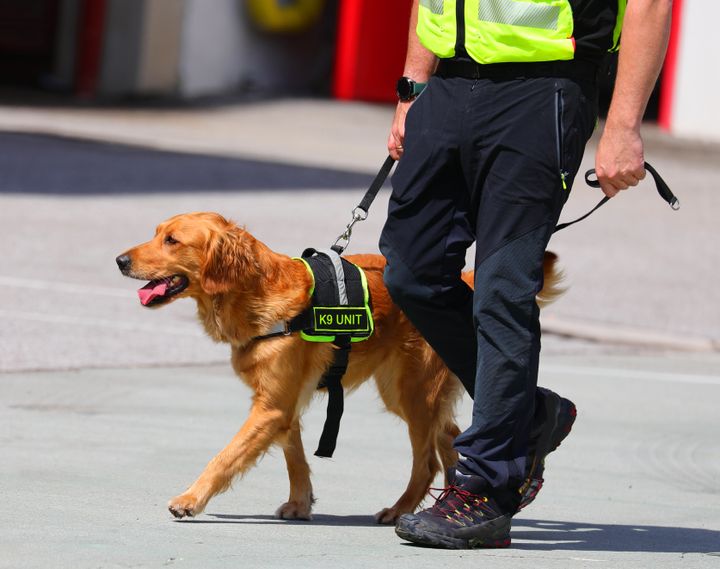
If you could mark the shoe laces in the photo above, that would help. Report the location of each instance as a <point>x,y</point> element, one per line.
<point>458,505</point>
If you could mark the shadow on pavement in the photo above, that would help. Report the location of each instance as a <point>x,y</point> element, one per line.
<point>45,164</point>
<point>318,520</point>
<point>538,535</point>
<point>577,536</point>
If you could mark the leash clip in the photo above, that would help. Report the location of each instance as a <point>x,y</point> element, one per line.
<point>358,214</point>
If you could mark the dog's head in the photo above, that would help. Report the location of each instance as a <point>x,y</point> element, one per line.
<point>193,254</point>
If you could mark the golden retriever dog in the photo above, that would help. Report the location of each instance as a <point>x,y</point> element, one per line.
<point>242,289</point>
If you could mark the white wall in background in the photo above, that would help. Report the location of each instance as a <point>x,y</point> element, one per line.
<point>212,47</point>
<point>696,104</point>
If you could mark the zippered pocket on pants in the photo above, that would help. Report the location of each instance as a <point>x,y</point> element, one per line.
<point>560,136</point>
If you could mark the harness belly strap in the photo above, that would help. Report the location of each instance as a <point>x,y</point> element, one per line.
<point>332,379</point>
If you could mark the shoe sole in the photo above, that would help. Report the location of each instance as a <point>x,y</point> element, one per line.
<point>566,410</point>
<point>415,531</point>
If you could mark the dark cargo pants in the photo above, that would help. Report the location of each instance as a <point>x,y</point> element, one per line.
<point>485,161</point>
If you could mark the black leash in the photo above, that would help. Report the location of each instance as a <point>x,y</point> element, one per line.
<point>662,188</point>
<point>360,213</point>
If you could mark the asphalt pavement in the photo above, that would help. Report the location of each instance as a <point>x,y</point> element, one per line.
<point>108,409</point>
<point>91,457</point>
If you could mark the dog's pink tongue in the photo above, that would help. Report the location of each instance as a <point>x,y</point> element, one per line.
<point>152,290</point>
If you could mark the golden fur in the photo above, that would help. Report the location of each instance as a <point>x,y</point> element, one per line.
<point>242,289</point>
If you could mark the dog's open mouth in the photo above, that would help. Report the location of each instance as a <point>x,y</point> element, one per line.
<point>161,290</point>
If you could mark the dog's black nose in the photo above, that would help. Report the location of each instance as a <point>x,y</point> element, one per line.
<point>123,262</point>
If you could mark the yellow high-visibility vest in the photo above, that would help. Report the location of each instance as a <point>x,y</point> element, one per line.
<point>497,31</point>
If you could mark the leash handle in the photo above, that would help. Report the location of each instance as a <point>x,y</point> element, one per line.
<point>663,189</point>
<point>660,184</point>
<point>360,212</point>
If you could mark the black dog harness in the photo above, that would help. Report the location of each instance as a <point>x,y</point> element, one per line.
<point>340,313</point>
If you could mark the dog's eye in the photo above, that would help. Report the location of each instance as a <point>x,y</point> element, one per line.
<point>170,240</point>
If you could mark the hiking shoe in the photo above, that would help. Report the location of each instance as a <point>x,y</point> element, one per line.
<point>556,417</point>
<point>465,516</point>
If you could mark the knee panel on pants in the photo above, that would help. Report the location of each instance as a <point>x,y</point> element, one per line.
<point>506,284</point>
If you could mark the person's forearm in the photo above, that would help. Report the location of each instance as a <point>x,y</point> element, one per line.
<point>420,62</point>
<point>646,30</point>
<point>619,161</point>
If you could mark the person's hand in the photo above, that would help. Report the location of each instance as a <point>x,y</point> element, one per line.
<point>397,131</point>
<point>619,162</point>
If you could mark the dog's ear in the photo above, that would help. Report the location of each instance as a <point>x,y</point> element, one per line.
<point>229,262</point>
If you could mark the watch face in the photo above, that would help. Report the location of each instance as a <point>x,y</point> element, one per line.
<point>404,88</point>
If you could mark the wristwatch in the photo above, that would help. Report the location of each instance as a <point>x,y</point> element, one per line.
<point>407,89</point>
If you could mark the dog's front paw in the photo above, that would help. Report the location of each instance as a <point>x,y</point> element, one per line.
<point>294,511</point>
<point>388,515</point>
<point>185,505</point>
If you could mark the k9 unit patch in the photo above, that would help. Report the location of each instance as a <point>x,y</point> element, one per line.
<point>340,319</point>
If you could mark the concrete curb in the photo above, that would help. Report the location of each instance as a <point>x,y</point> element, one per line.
<point>607,333</point>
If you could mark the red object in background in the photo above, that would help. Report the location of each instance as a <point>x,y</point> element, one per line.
<point>371,45</point>
<point>669,74</point>
<point>89,46</point>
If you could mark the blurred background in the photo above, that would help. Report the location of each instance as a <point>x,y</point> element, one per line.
<point>187,50</point>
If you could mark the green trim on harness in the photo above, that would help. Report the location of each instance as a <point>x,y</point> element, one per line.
<point>309,270</point>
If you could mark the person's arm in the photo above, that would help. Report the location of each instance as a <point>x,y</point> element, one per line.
<point>419,66</point>
<point>619,162</point>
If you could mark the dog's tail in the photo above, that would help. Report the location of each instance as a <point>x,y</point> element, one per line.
<point>552,277</point>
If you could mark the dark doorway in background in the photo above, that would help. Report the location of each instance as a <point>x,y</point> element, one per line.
<point>27,41</point>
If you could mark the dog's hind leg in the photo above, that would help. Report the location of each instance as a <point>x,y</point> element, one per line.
<point>445,438</point>
<point>301,499</point>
